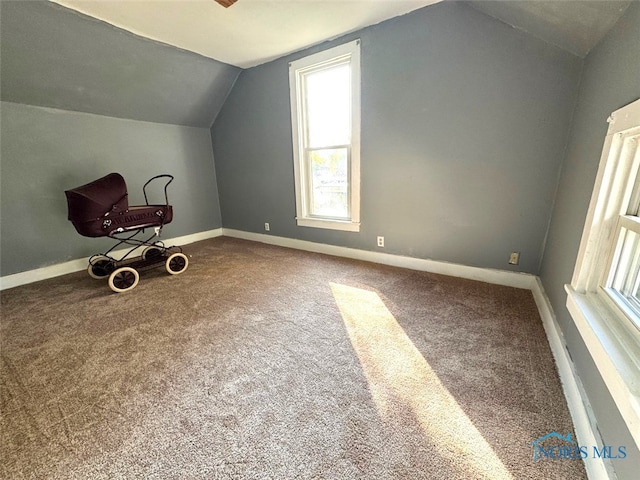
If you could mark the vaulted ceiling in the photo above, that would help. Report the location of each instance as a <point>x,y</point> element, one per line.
<point>248,33</point>
<point>573,25</point>
<point>53,55</point>
<point>251,32</point>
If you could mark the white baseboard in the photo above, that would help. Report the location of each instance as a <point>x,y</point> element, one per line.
<point>576,398</point>
<point>498,277</point>
<point>22,278</point>
<point>195,237</point>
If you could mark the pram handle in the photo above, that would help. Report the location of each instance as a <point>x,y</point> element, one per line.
<point>166,197</point>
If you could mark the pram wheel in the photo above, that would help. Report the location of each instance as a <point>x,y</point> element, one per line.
<point>123,279</point>
<point>151,253</point>
<point>100,267</point>
<point>177,263</point>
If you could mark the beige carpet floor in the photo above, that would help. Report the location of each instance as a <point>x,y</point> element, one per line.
<point>261,362</point>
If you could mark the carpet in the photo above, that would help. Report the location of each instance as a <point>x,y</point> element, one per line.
<point>261,362</point>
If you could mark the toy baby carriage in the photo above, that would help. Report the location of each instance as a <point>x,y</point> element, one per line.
<point>101,209</point>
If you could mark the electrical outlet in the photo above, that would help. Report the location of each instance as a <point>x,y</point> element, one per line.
<point>514,258</point>
<point>381,241</point>
<point>266,226</point>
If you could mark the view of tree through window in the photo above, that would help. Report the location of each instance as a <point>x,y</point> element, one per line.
<point>325,120</point>
<point>329,183</point>
<point>328,118</point>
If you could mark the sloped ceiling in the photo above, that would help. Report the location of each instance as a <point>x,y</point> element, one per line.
<point>52,56</point>
<point>252,32</point>
<point>573,25</point>
<point>248,33</point>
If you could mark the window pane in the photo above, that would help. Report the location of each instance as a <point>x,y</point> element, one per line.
<point>329,181</point>
<point>634,202</point>
<point>626,272</point>
<point>328,106</point>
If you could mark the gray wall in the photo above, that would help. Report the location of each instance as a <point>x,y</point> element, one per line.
<point>611,79</point>
<point>51,56</point>
<point>464,124</point>
<point>46,151</point>
<point>55,57</point>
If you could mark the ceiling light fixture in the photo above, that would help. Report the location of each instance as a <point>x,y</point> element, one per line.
<point>226,3</point>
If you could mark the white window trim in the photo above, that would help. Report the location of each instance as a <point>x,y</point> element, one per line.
<point>612,339</point>
<point>351,49</point>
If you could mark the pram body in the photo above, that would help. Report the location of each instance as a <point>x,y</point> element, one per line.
<point>101,209</point>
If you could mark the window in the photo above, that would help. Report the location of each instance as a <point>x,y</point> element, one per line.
<point>325,114</point>
<point>604,295</point>
<point>622,283</point>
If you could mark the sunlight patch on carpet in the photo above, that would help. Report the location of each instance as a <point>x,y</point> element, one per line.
<point>401,381</point>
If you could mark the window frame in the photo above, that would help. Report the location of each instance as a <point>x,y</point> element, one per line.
<point>629,307</point>
<point>347,52</point>
<point>610,334</point>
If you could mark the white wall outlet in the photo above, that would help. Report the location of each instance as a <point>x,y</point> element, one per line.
<point>381,241</point>
<point>266,226</point>
<point>514,258</point>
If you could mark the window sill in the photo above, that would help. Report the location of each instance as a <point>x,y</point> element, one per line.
<point>347,226</point>
<point>614,348</point>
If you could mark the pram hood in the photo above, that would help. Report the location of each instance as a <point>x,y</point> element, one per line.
<point>101,208</point>
<point>95,199</point>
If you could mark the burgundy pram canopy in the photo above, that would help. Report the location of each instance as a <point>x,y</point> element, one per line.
<point>101,208</point>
